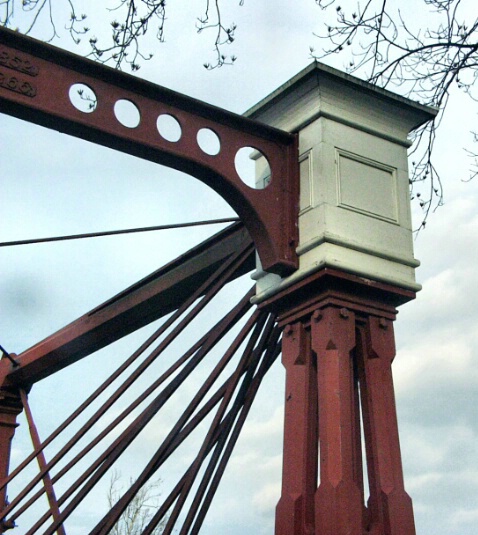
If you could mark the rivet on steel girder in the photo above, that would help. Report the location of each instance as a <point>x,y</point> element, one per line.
<point>344,313</point>
<point>288,331</point>
<point>317,316</point>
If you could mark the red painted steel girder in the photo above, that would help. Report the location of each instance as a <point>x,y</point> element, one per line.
<point>35,81</point>
<point>151,298</point>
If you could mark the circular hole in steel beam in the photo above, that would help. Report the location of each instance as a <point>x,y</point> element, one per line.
<point>169,127</point>
<point>83,98</point>
<point>253,168</point>
<point>209,141</point>
<point>127,113</point>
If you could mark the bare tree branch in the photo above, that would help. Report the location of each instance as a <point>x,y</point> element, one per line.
<point>140,510</point>
<point>131,21</point>
<point>225,35</point>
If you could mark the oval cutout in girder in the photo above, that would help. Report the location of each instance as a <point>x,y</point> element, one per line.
<point>208,141</point>
<point>253,167</point>
<point>127,113</point>
<point>169,127</point>
<point>83,98</point>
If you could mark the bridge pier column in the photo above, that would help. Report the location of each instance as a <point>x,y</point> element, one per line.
<point>295,510</point>
<point>338,346</point>
<point>390,507</point>
<point>338,500</point>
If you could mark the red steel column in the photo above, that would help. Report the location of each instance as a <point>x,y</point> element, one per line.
<point>338,348</point>
<point>338,501</point>
<point>390,506</point>
<point>10,407</point>
<point>295,510</point>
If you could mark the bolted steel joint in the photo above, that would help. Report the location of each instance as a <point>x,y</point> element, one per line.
<point>344,313</point>
<point>316,316</point>
<point>288,331</point>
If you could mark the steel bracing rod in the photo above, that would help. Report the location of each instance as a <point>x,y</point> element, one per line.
<point>217,435</point>
<point>108,458</point>
<point>221,433</point>
<point>239,418</point>
<point>179,437</point>
<point>182,428</point>
<point>112,456</point>
<point>50,492</point>
<point>273,353</point>
<point>217,465</point>
<point>7,355</point>
<point>250,359</point>
<point>91,470</point>
<point>165,450</point>
<point>223,272</point>
<point>256,354</point>
<point>104,233</point>
<point>200,348</point>
<point>212,286</point>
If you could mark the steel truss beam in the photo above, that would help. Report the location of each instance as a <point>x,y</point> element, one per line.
<point>231,400</point>
<point>35,83</point>
<point>148,300</point>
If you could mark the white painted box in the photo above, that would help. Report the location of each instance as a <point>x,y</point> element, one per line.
<point>354,183</point>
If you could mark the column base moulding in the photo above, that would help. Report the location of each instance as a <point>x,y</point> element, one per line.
<point>337,288</point>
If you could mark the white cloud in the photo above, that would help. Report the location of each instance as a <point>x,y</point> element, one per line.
<point>265,499</point>
<point>463,518</point>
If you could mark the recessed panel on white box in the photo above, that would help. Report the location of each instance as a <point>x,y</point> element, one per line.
<point>367,187</point>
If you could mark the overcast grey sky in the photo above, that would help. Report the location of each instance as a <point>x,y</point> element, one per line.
<point>53,185</point>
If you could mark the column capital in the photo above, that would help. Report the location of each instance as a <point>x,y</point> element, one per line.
<point>330,287</point>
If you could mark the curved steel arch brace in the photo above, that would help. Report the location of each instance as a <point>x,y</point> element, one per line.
<point>35,80</point>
